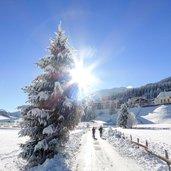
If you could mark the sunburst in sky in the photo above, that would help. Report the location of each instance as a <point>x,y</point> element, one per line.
<point>130,40</point>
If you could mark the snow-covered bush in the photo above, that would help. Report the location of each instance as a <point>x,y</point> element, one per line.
<point>125,118</point>
<point>131,120</point>
<point>52,109</point>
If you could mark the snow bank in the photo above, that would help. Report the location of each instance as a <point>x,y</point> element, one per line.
<point>129,150</point>
<point>3,118</point>
<point>9,151</point>
<point>153,126</point>
<point>62,162</point>
<point>162,114</point>
<point>153,114</point>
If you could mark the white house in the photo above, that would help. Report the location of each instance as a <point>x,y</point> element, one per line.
<point>163,98</point>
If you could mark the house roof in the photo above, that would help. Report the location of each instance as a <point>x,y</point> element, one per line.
<point>133,99</point>
<point>164,94</point>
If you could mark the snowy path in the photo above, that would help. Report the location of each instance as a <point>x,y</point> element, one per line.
<point>9,150</point>
<point>99,155</point>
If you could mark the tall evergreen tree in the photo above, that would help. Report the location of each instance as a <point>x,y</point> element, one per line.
<point>123,116</point>
<point>52,109</point>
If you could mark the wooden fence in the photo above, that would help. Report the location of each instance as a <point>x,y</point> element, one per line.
<point>145,146</point>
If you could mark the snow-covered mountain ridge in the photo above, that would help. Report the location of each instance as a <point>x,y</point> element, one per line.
<point>108,92</point>
<point>4,115</point>
<point>149,91</point>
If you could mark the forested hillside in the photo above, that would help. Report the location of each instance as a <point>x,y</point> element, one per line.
<point>148,91</point>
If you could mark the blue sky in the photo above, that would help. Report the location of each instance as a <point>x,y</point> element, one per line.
<point>130,40</point>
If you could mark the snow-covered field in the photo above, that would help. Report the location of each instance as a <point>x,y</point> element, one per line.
<point>3,117</point>
<point>83,153</point>
<point>9,160</point>
<point>158,139</point>
<point>9,150</point>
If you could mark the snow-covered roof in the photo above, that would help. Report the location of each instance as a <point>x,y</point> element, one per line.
<point>164,94</point>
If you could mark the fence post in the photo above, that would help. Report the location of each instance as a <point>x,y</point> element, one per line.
<point>138,142</point>
<point>123,136</point>
<point>167,157</point>
<point>131,137</point>
<point>166,154</point>
<point>146,143</point>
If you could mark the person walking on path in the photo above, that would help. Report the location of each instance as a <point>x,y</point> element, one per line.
<point>101,131</point>
<point>93,132</point>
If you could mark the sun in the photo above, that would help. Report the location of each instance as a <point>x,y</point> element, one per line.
<point>82,75</point>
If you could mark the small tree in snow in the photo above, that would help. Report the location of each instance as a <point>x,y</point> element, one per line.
<point>88,108</point>
<point>89,114</point>
<point>125,118</point>
<point>131,120</point>
<point>52,109</point>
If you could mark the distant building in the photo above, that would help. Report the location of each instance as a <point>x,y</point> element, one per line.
<point>163,98</point>
<point>106,104</point>
<point>137,101</point>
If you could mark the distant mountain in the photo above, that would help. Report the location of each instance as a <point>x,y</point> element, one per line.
<point>15,114</point>
<point>149,91</point>
<point>108,92</point>
<point>4,113</point>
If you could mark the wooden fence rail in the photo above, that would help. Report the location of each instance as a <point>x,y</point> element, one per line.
<point>165,159</point>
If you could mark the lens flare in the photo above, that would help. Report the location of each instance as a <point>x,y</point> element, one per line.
<point>83,76</point>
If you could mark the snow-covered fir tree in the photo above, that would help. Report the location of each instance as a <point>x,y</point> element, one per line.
<point>123,117</point>
<point>52,108</point>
